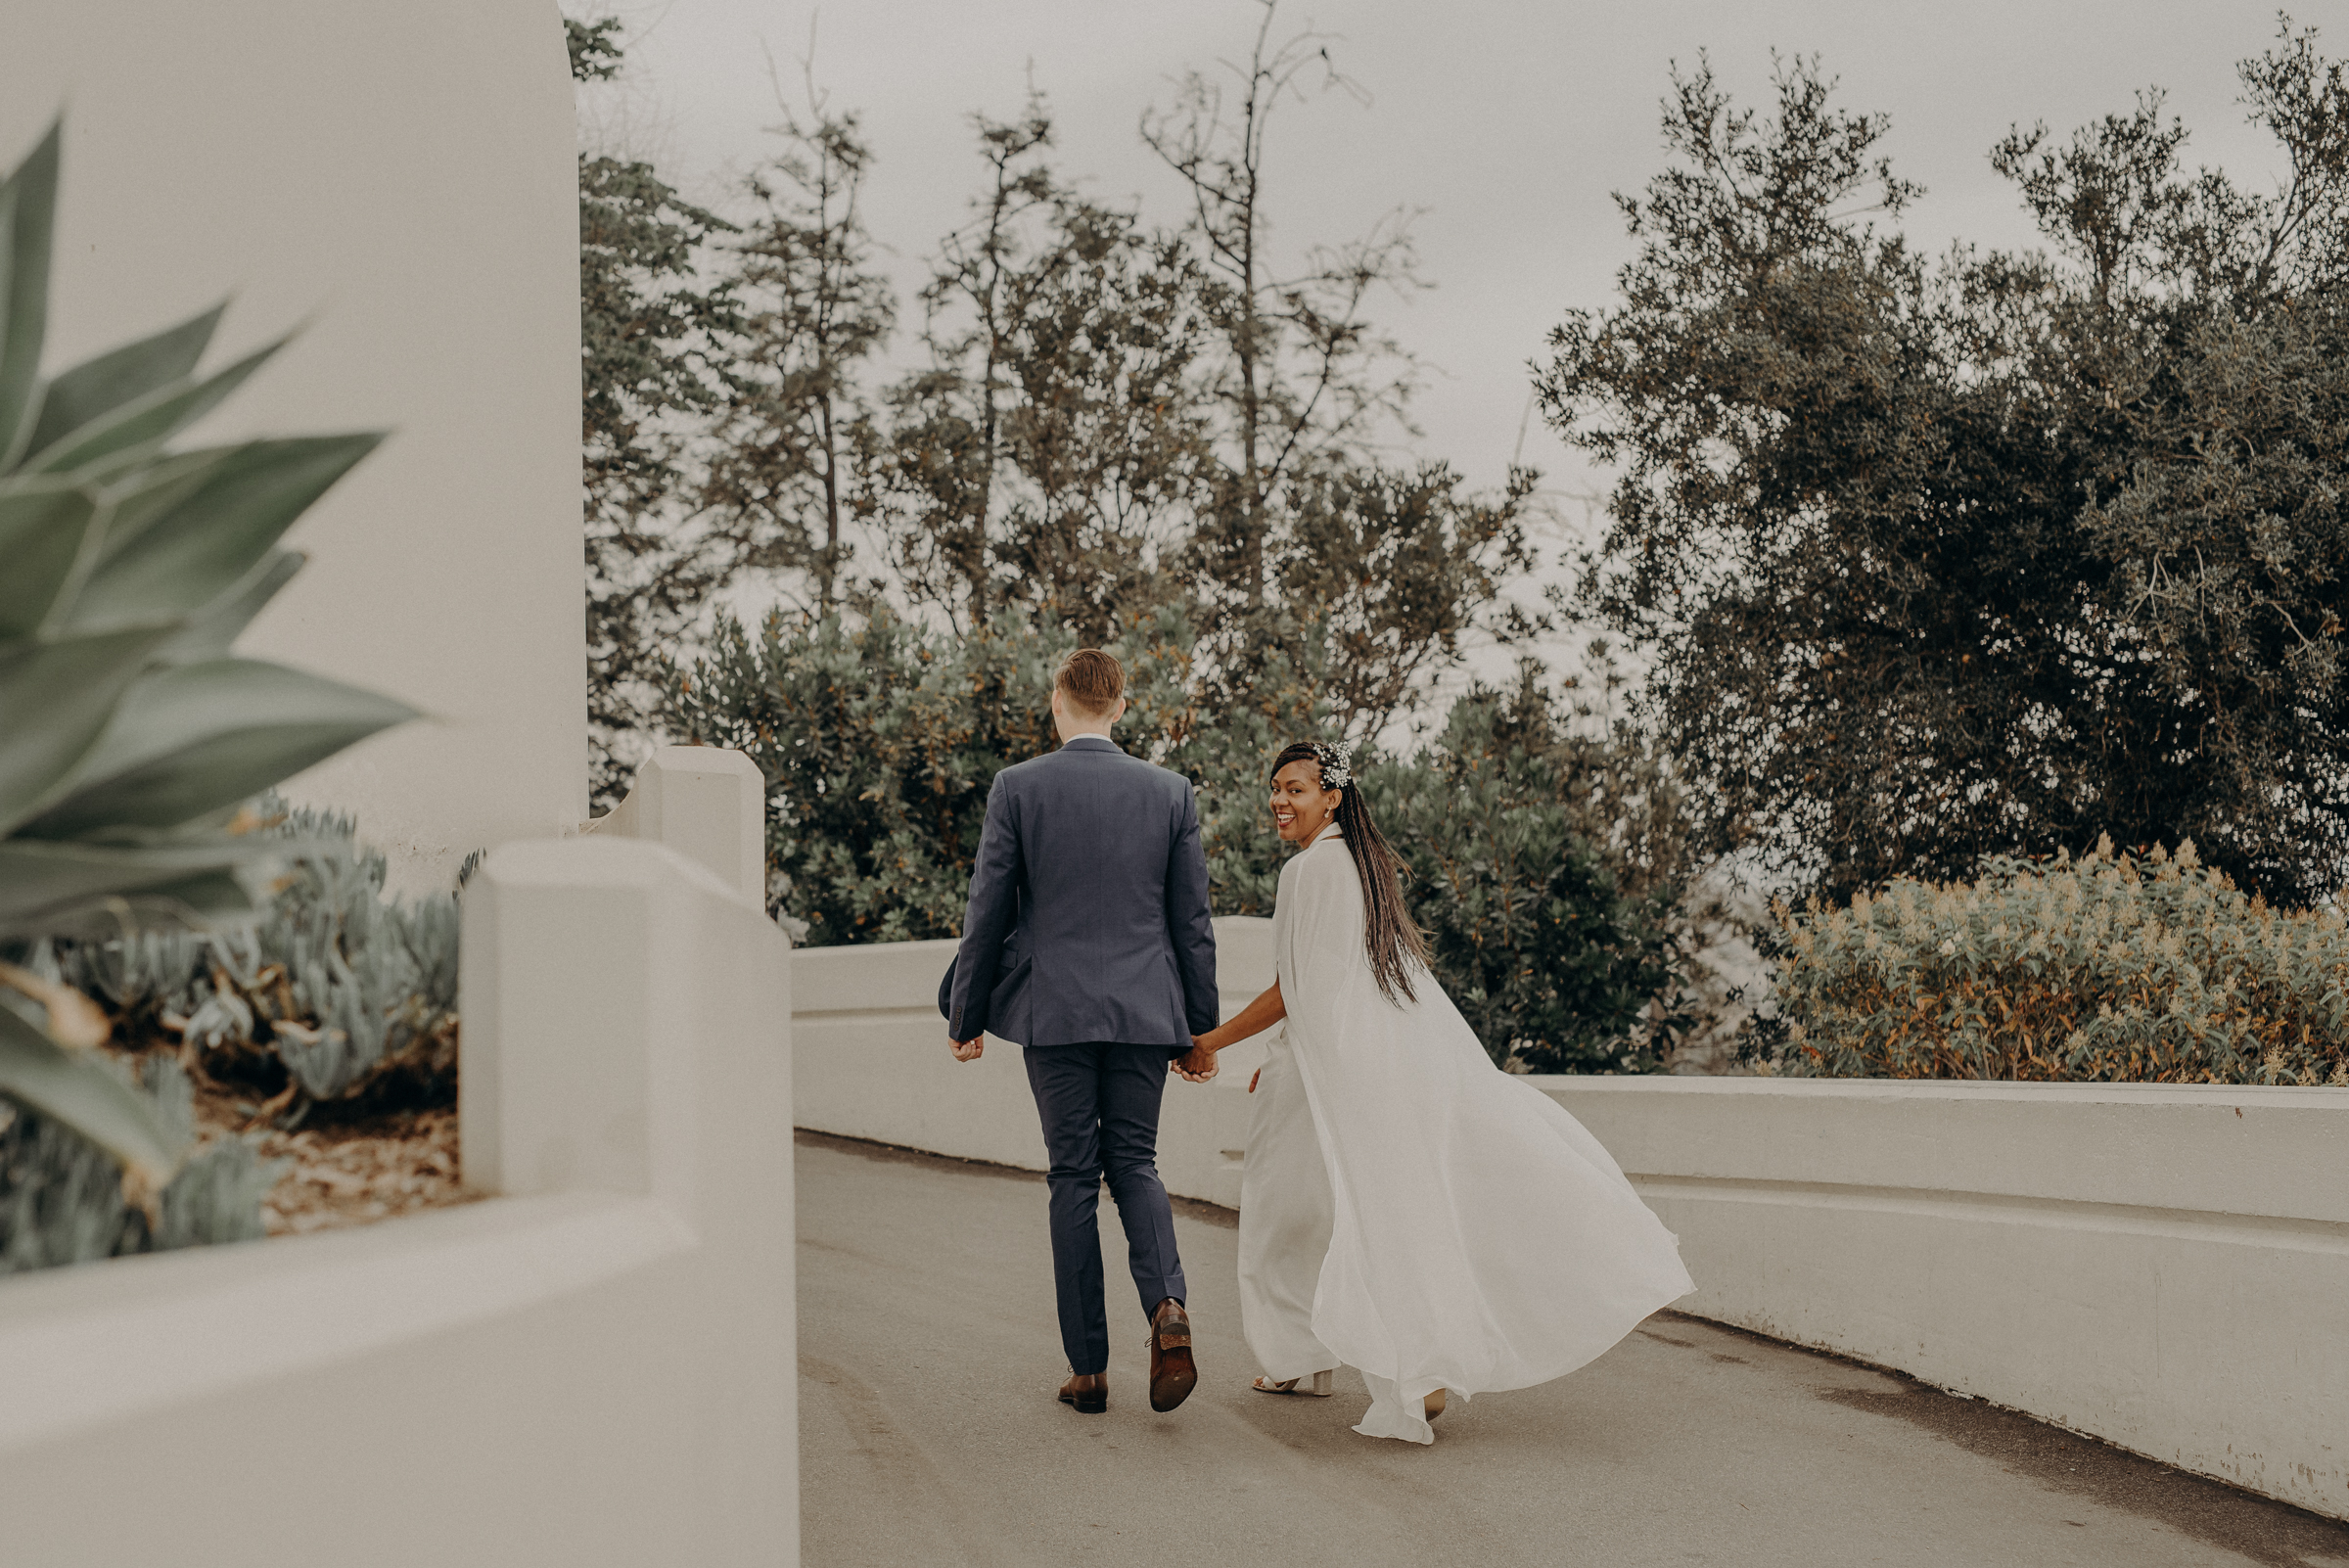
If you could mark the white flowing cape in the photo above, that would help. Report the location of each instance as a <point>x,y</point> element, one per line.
<point>1479,1237</point>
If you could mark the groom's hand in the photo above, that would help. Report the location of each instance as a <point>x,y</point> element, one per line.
<point>1196,1065</point>
<point>967,1050</point>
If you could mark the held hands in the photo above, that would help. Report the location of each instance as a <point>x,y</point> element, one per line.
<point>967,1050</point>
<point>1196,1065</point>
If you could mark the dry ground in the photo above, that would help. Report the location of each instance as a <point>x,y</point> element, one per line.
<point>346,1172</point>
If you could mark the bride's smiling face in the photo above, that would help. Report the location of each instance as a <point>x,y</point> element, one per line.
<point>1301,807</point>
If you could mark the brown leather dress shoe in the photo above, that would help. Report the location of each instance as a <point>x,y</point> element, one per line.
<point>1088,1391</point>
<point>1173,1374</point>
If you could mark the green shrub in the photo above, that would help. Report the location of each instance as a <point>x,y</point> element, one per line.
<point>1549,873</point>
<point>1549,866</point>
<point>2110,969</point>
<point>879,741</point>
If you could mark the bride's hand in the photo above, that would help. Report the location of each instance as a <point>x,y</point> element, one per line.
<point>1197,1065</point>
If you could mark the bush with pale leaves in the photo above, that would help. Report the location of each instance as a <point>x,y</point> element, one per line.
<point>2112,968</point>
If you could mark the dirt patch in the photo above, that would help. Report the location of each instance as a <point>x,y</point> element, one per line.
<point>350,1171</point>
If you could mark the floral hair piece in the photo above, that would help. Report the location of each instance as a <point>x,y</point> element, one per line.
<point>1337,763</point>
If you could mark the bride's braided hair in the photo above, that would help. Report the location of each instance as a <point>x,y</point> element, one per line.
<point>1397,949</point>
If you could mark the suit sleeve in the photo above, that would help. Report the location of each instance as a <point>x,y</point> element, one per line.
<point>986,921</point>
<point>1193,938</point>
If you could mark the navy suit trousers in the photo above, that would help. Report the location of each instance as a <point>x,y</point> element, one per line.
<point>1099,1108</point>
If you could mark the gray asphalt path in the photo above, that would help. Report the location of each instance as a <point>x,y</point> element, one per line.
<point>929,1434</point>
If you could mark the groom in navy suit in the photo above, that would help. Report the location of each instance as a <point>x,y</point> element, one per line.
<point>1088,941</point>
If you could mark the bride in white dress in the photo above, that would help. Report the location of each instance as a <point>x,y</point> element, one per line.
<point>1408,1208</point>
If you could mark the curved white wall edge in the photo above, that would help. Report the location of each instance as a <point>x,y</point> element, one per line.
<point>2120,1218</point>
<point>83,1347</point>
<point>1948,1088</point>
<point>2165,1266</point>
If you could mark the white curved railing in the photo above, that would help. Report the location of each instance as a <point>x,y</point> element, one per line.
<point>2163,1267</point>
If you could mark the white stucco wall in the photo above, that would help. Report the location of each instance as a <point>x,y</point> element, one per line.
<point>872,1058</point>
<point>2164,1267</point>
<point>596,1367</point>
<point>401,180</point>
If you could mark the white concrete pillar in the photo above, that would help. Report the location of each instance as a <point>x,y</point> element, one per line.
<point>627,1029</point>
<point>709,803</point>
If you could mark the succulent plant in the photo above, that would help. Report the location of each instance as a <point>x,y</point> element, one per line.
<point>60,1197</point>
<point>129,733</point>
<point>343,989</point>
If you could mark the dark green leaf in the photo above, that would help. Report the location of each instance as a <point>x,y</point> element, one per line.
<point>43,523</point>
<point>183,544</point>
<point>196,738</point>
<point>28,222</point>
<point>47,888</point>
<point>218,625</point>
<point>100,386</point>
<point>76,1089</point>
<point>55,699</point>
<point>149,421</point>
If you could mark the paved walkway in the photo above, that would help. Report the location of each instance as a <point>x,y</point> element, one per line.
<point>929,1434</point>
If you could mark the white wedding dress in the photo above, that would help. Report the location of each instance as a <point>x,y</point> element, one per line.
<point>1410,1209</point>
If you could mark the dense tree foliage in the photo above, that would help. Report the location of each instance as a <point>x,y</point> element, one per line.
<point>1110,420</point>
<point>1989,555</point>
<point>1548,861</point>
<point>786,458</point>
<point>880,737</point>
<point>1547,869</point>
<point>656,346</point>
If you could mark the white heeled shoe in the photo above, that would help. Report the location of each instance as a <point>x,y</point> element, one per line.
<point>1319,1390</point>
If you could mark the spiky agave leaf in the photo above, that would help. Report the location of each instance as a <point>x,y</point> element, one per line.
<point>142,426</point>
<point>96,388</point>
<point>44,526</point>
<point>56,699</point>
<point>185,530</point>
<point>57,888</point>
<point>27,225</point>
<point>126,572</point>
<point>194,739</point>
<point>210,631</point>
<point>77,1088</point>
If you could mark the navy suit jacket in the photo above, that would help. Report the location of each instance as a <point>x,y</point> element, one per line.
<point>1088,917</point>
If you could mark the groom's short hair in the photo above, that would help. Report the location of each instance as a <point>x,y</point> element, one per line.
<point>1094,680</point>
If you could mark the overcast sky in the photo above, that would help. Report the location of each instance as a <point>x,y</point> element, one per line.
<point>1508,121</point>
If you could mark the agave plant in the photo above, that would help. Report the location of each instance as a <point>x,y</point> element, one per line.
<point>129,733</point>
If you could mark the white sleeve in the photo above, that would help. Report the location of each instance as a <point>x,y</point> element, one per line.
<point>1325,945</point>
